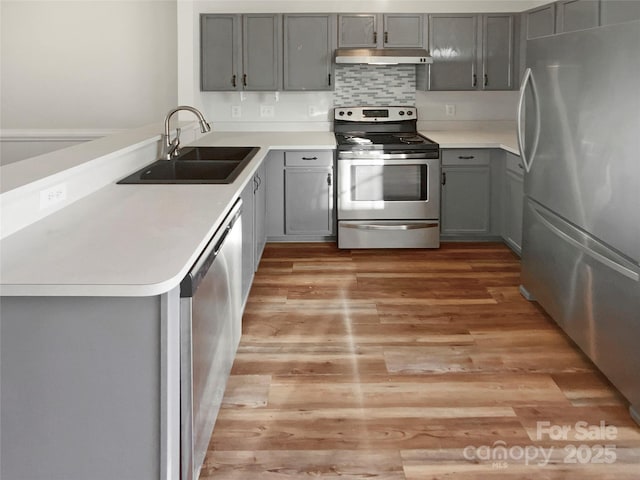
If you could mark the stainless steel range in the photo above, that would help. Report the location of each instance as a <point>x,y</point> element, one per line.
<point>388,180</point>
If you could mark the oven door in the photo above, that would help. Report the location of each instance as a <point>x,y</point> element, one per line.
<point>388,188</point>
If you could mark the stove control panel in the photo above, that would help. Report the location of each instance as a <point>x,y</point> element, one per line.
<point>375,114</point>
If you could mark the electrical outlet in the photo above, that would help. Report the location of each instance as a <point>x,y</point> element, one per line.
<point>236,111</point>
<point>450,110</point>
<point>267,111</point>
<point>312,111</point>
<point>52,195</point>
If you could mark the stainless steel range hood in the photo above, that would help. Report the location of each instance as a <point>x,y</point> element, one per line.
<point>383,56</point>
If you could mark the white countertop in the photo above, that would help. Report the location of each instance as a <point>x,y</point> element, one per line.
<point>132,240</point>
<point>141,240</point>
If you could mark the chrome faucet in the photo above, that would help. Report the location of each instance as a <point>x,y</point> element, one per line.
<point>171,148</point>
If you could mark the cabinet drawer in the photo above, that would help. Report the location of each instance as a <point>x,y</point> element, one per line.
<point>309,159</point>
<point>465,156</point>
<point>514,164</point>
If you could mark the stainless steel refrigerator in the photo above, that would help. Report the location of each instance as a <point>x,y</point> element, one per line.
<point>579,128</point>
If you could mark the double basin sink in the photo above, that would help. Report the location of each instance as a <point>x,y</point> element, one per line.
<point>208,165</point>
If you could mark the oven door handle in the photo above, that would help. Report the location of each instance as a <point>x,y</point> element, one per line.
<point>389,161</point>
<point>399,226</point>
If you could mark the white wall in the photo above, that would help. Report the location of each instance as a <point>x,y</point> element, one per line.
<point>87,64</point>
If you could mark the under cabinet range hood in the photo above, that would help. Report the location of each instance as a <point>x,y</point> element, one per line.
<point>383,56</point>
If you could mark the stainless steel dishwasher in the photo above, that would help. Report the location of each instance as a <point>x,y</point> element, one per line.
<point>210,329</point>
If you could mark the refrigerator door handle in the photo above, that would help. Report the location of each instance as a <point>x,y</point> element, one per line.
<point>577,239</point>
<point>528,80</point>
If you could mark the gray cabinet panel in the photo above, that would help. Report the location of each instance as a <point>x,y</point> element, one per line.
<point>403,30</point>
<point>577,15</point>
<point>248,233</point>
<point>219,52</point>
<point>452,41</point>
<point>309,200</point>
<point>261,52</point>
<point>309,42</point>
<point>466,200</point>
<point>358,30</point>
<point>541,21</point>
<point>497,52</point>
<point>260,206</point>
<point>274,164</point>
<point>618,11</point>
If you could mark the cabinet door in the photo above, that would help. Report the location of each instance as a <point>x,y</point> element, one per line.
<point>497,52</point>
<point>514,195</point>
<point>260,207</point>
<point>261,58</point>
<point>466,200</point>
<point>452,40</point>
<point>220,52</point>
<point>274,165</point>
<point>309,42</point>
<point>577,15</point>
<point>358,30</point>
<point>403,30</point>
<point>309,201</point>
<point>618,11</point>
<point>541,21</point>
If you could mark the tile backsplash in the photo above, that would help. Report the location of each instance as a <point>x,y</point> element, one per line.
<point>375,85</point>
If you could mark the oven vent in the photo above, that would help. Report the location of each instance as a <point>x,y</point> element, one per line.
<point>383,56</point>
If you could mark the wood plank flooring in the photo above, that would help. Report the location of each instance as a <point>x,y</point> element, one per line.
<point>407,365</point>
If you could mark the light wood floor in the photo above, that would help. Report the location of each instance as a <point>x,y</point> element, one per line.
<point>416,364</point>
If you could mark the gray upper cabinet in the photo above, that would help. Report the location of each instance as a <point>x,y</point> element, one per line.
<point>618,11</point>
<point>574,15</point>
<point>452,41</point>
<point>470,52</point>
<point>541,21</point>
<point>220,38</point>
<point>358,30</point>
<point>373,30</point>
<point>497,52</point>
<point>309,42</point>
<point>240,52</point>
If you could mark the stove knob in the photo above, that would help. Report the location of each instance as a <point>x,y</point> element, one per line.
<point>409,112</point>
<point>341,113</point>
<point>349,113</point>
<point>401,113</point>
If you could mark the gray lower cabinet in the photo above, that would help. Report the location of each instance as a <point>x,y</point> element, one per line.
<point>240,52</point>
<point>300,195</point>
<point>309,42</point>
<point>466,193</point>
<point>484,47</point>
<point>253,227</point>
<point>541,21</point>
<point>376,30</point>
<point>574,15</point>
<point>513,201</point>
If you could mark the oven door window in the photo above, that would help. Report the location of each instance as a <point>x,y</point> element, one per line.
<point>388,183</point>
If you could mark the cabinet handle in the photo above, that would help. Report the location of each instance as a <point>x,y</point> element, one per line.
<point>520,166</point>
<point>466,157</point>
<point>375,37</point>
<point>475,80</point>
<point>329,79</point>
<point>444,178</point>
<point>386,37</point>
<point>309,158</point>
<point>329,179</point>
<point>233,81</point>
<point>255,185</point>
<point>244,80</point>
<point>486,79</point>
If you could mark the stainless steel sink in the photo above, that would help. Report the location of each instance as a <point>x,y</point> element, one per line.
<point>195,165</point>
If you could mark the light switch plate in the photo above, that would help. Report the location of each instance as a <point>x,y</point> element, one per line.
<point>236,111</point>
<point>267,111</point>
